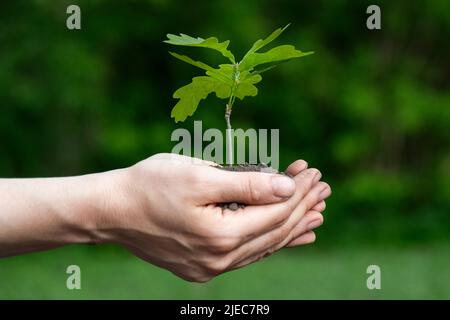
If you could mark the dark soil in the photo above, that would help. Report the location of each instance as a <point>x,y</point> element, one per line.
<point>261,167</point>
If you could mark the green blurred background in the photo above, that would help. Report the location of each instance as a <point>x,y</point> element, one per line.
<point>371,110</point>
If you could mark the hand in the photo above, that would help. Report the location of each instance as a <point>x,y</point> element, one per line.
<point>312,219</point>
<point>165,210</point>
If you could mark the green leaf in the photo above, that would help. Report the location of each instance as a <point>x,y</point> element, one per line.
<point>225,72</point>
<point>211,43</point>
<point>191,94</point>
<point>261,43</point>
<point>218,74</point>
<point>246,86</point>
<point>186,59</point>
<point>277,54</point>
<point>265,67</point>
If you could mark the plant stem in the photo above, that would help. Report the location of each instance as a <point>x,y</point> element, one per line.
<point>229,136</point>
<point>229,108</point>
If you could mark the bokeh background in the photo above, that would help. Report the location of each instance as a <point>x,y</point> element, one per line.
<point>371,110</point>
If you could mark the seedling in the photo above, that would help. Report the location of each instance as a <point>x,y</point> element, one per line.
<point>229,80</point>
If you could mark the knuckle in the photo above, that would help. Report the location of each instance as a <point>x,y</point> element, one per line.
<point>223,244</point>
<point>280,235</point>
<point>198,278</point>
<point>190,274</point>
<point>269,252</point>
<point>216,266</point>
<point>220,236</point>
<point>250,189</point>
<point>298,166</point>
<point>282,217</point>
<point>192,179</point>
<point>315,172</point>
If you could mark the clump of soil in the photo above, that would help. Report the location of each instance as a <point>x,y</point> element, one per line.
<point>260,167</point>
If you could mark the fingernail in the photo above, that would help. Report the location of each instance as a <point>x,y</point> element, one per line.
<point>325,192</point>
<point>314,224</point>
<point>283,186</point>
<point>317,177</point>
<point>304,165</point>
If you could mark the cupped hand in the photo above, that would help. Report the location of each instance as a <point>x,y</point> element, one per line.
<point>166,211</point>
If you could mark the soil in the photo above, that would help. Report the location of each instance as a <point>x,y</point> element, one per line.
<point>261,167</point>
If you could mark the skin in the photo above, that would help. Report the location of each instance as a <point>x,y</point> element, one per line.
<point>165,210</point>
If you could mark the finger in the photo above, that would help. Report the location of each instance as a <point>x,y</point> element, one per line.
<point>306,238</point>
<point>321,206</point>
<point>279,236</point>
<point>310,221</point>
<point>252,188</point>
<point>254,221</point>
<point>296,167</point>
<point>321,191</point>
<point>313,198</point>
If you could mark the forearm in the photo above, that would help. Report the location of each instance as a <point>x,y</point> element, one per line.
<point>39,214</point>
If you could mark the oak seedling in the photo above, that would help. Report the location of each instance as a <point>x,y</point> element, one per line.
<point>228,80</point>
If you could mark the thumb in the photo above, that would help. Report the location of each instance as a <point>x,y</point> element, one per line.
<point>249,187</point>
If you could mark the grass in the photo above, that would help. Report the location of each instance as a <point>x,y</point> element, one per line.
<point>302,273</point>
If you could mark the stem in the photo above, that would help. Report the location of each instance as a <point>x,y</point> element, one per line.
<point>229,108</point>
<point>229,140</point>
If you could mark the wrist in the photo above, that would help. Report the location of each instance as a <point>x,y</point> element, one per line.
<point>97,206</point>
<point>112,201</point>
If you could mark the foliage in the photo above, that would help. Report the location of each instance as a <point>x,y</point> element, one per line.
<point>228,80</point>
